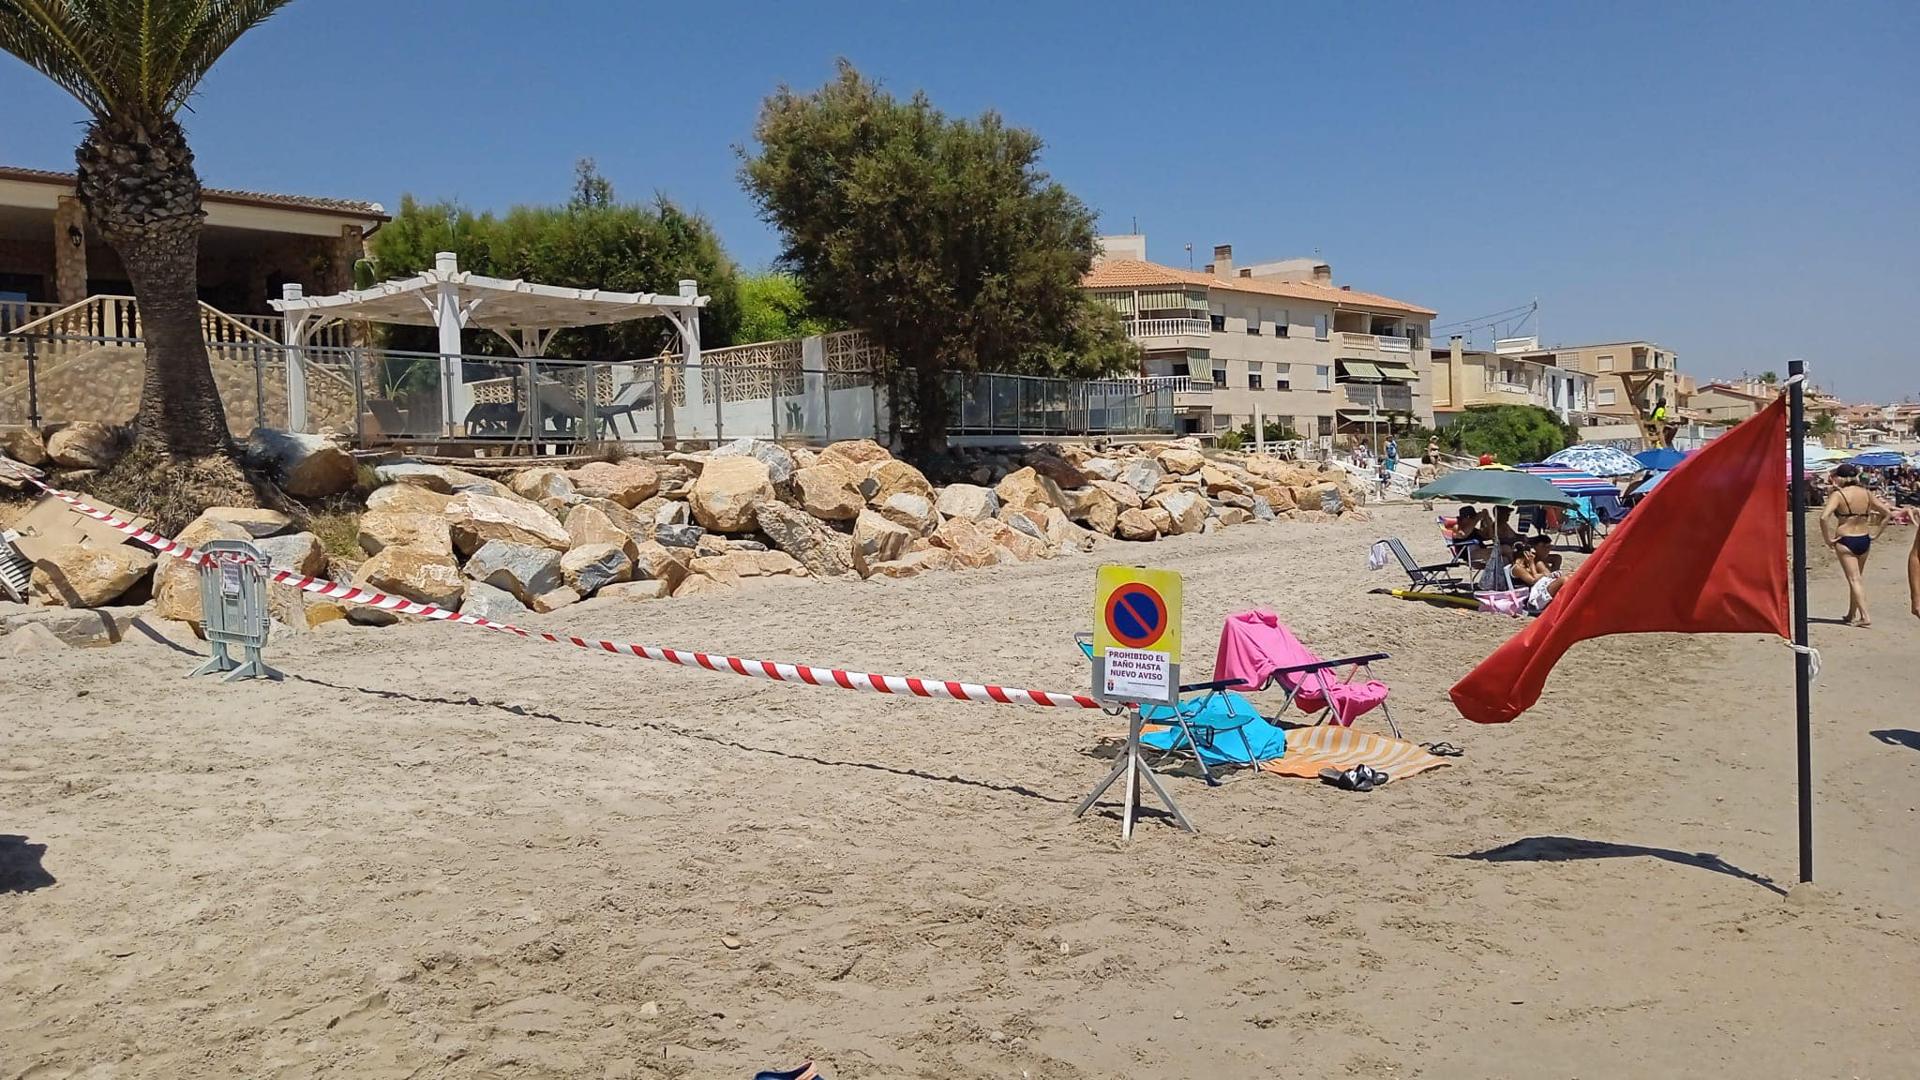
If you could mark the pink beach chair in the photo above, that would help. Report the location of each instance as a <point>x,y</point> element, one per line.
<point>1256,647</point>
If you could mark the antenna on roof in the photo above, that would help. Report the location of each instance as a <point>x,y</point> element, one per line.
<point>1136,224</point>
<point>1189,256</point>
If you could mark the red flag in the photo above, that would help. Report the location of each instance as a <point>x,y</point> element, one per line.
<point>1705,552</point>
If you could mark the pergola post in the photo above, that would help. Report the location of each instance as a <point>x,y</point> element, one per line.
<point>292,328</point>
<point>456,399</point>
<point>692,375</point>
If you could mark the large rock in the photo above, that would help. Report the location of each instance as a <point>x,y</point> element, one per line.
<point>909,511</point>
<point>778,562</point>
<point>1143,475</point>
<point>88,576</point>
<point>1180,462</point>
<point>475,520</point>
<point>914,563</point>
<point>436,478</point>
<point>484,600</point>
<point>969,501</point>
<point>382,529</point>
<point>176,585</point>
<point>877,540</point>
<point>257,522</point>
<point>1022,545</point>
<point>1162,521</point>
<point>1279,497</point>
<point>589,567</point>
<point>828,492</point>
<point>855,455</point>
<point>822,551</point>
<point>730,567</point>
<point>1026,489</point>
<point>525,570</point>
<point>88,628</point>
<point>635,590</point>
<point>672,512</point>
<point>728,491</point>
<point>87,445</point>
<point>307,466</point>
<point>970,541</point>
<point>1031,522</point>
<point>429,577</point>
<point>1064,535</point>
<point>1187,509</point>
<point>779,463</point>
<point>1233,515</point>
<point>409,498</point>
<point>679,536</point>
<point>1101,468</point>
<point>889,478</point>
<point>602,522</point>
<point>24,445</point>
<point>1135,525</point>
<point>555,599</point>
<point>298,553</point>
<point>1123,494</point>
<point>541,482</point>
<point>654,561</point>
<point>1220,478</point>
<point>628,482</point>
<point>1094,507</point>
<point>1062,472</point>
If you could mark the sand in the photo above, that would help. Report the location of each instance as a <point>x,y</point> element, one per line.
<point>436,852</point>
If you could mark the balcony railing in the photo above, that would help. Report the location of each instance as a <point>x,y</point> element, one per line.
<point>1153,328</point>
<point>1378,342</point>
<point>1182,384</point>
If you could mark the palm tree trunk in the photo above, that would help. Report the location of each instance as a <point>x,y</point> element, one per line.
<point>139,186</point>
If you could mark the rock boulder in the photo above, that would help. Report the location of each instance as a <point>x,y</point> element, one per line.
<point>822,551</point>
<point>525,570</point>
<point>488,602</point>
<point>779,462</point>
<point>970,541</point>
<point>1135,524</point>
<point>728,491</point>
<point>877,540</point>
<point>475,519</point>
<point>381,529</point>
<point>1026,489</point>
<point>426,576</point>
<point>85,445</point>
<point>628,482</point>
<point>888,478</point>
<point>89,576</point>
<point>306,466</point>
<point>969,501</point>
<point>828,492</point>
<point>856,455</point>
<point>590,567</point>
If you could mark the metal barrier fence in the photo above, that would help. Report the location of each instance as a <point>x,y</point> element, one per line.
<point>819,393</point>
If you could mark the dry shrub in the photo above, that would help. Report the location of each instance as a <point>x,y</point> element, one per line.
<point>147,482</point>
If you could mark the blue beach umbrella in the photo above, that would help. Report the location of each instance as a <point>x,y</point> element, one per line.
<point>1878,459</point>
<point>1660,460</point>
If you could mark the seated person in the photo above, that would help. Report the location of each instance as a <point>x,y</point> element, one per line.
<point>1502,526</point>
<point>1537,567</point>
<point>1463,535</point>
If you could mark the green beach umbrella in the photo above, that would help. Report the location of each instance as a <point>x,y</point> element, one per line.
<point>1501,487</point>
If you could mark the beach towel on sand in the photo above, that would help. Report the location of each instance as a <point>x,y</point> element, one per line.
<point>1310,750</point>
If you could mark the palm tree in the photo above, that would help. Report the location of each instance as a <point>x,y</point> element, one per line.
<point>134,64</point>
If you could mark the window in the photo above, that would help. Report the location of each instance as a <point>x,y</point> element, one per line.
<point>1222,423</point>
<point>1320,327</point>
<point>1219,376</point>
<point>1282,377</point>
<point>1413,336</point>
<point>1218,316</point>
<point>1605,361</point>
<point>1280,325</point>
<point>1606,395</point>
<point>1323,377</point>
<point>1253,321</point>
<point>1254,377</point>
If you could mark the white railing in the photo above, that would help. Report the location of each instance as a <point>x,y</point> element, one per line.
<point>1378,342</point>
<point>1147,328</point>
<point>1511,387</point>
<point>1182,384</point>
<point>1505,345</point>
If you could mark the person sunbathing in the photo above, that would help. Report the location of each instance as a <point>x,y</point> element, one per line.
<point>1537,567</point>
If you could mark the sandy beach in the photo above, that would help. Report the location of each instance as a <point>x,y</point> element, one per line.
<point>439,852</point>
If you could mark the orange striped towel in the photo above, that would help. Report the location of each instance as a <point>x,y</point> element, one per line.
<point>1331,746</point>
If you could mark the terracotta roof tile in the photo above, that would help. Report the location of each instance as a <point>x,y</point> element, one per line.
<point>1138,273</point>
<point>228,195</point>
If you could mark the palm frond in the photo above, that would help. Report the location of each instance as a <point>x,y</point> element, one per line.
<point>133,58</point>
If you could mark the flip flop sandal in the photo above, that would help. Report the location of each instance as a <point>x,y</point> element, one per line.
<point>1350,780</point>
<point>1374,777</point>
<point>1442,749</point>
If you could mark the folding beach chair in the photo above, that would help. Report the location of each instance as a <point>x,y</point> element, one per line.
<point>1218,727</point>
<point>1438,577</point>
<point>1258,649</point>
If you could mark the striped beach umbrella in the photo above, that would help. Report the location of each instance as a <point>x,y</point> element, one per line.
<point>1572,481</point>
<point>1597,459</point>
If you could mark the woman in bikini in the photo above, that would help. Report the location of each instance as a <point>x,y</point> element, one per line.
<point>1854,517</point>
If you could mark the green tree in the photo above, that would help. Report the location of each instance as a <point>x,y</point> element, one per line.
<point>134,64</point>
<point>939,236</point>
<point>1769,377</point>
<point>1824,425</point>
<point>773,307</point>
<point>1511,433</point>
<point>592,242</point>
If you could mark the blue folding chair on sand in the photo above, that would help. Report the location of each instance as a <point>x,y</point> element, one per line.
<point>1217,728</point>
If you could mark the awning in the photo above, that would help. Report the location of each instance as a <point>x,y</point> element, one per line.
<point>1359,369</point>
<point>1395,372</point>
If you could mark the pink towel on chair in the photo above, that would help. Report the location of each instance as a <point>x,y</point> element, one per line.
<point>1255,643</point>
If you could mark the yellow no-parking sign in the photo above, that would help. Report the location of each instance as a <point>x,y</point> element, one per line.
<point>1136,634</point>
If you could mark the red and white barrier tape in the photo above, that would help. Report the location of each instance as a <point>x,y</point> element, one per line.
<point>753,669</point>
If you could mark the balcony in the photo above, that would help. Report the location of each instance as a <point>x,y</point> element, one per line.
<point>1372,343</point>
<point>1166,328</point>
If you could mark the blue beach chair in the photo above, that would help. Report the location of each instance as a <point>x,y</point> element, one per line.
<point>1218,727</point>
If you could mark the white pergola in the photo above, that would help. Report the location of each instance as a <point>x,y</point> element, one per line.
<point>525,314</point>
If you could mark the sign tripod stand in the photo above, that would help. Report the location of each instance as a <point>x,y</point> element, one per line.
<point>1136,658</point>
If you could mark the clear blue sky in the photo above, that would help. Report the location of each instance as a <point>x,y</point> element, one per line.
<point>1736,181</point>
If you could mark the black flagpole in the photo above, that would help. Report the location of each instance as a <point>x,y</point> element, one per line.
<point>1802,663</point>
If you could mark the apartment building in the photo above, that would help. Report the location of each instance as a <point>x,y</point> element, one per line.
<point>1651,366</point>
<point>1731,402</point>
<point>1464,378</point>
<point>1278,341</point>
